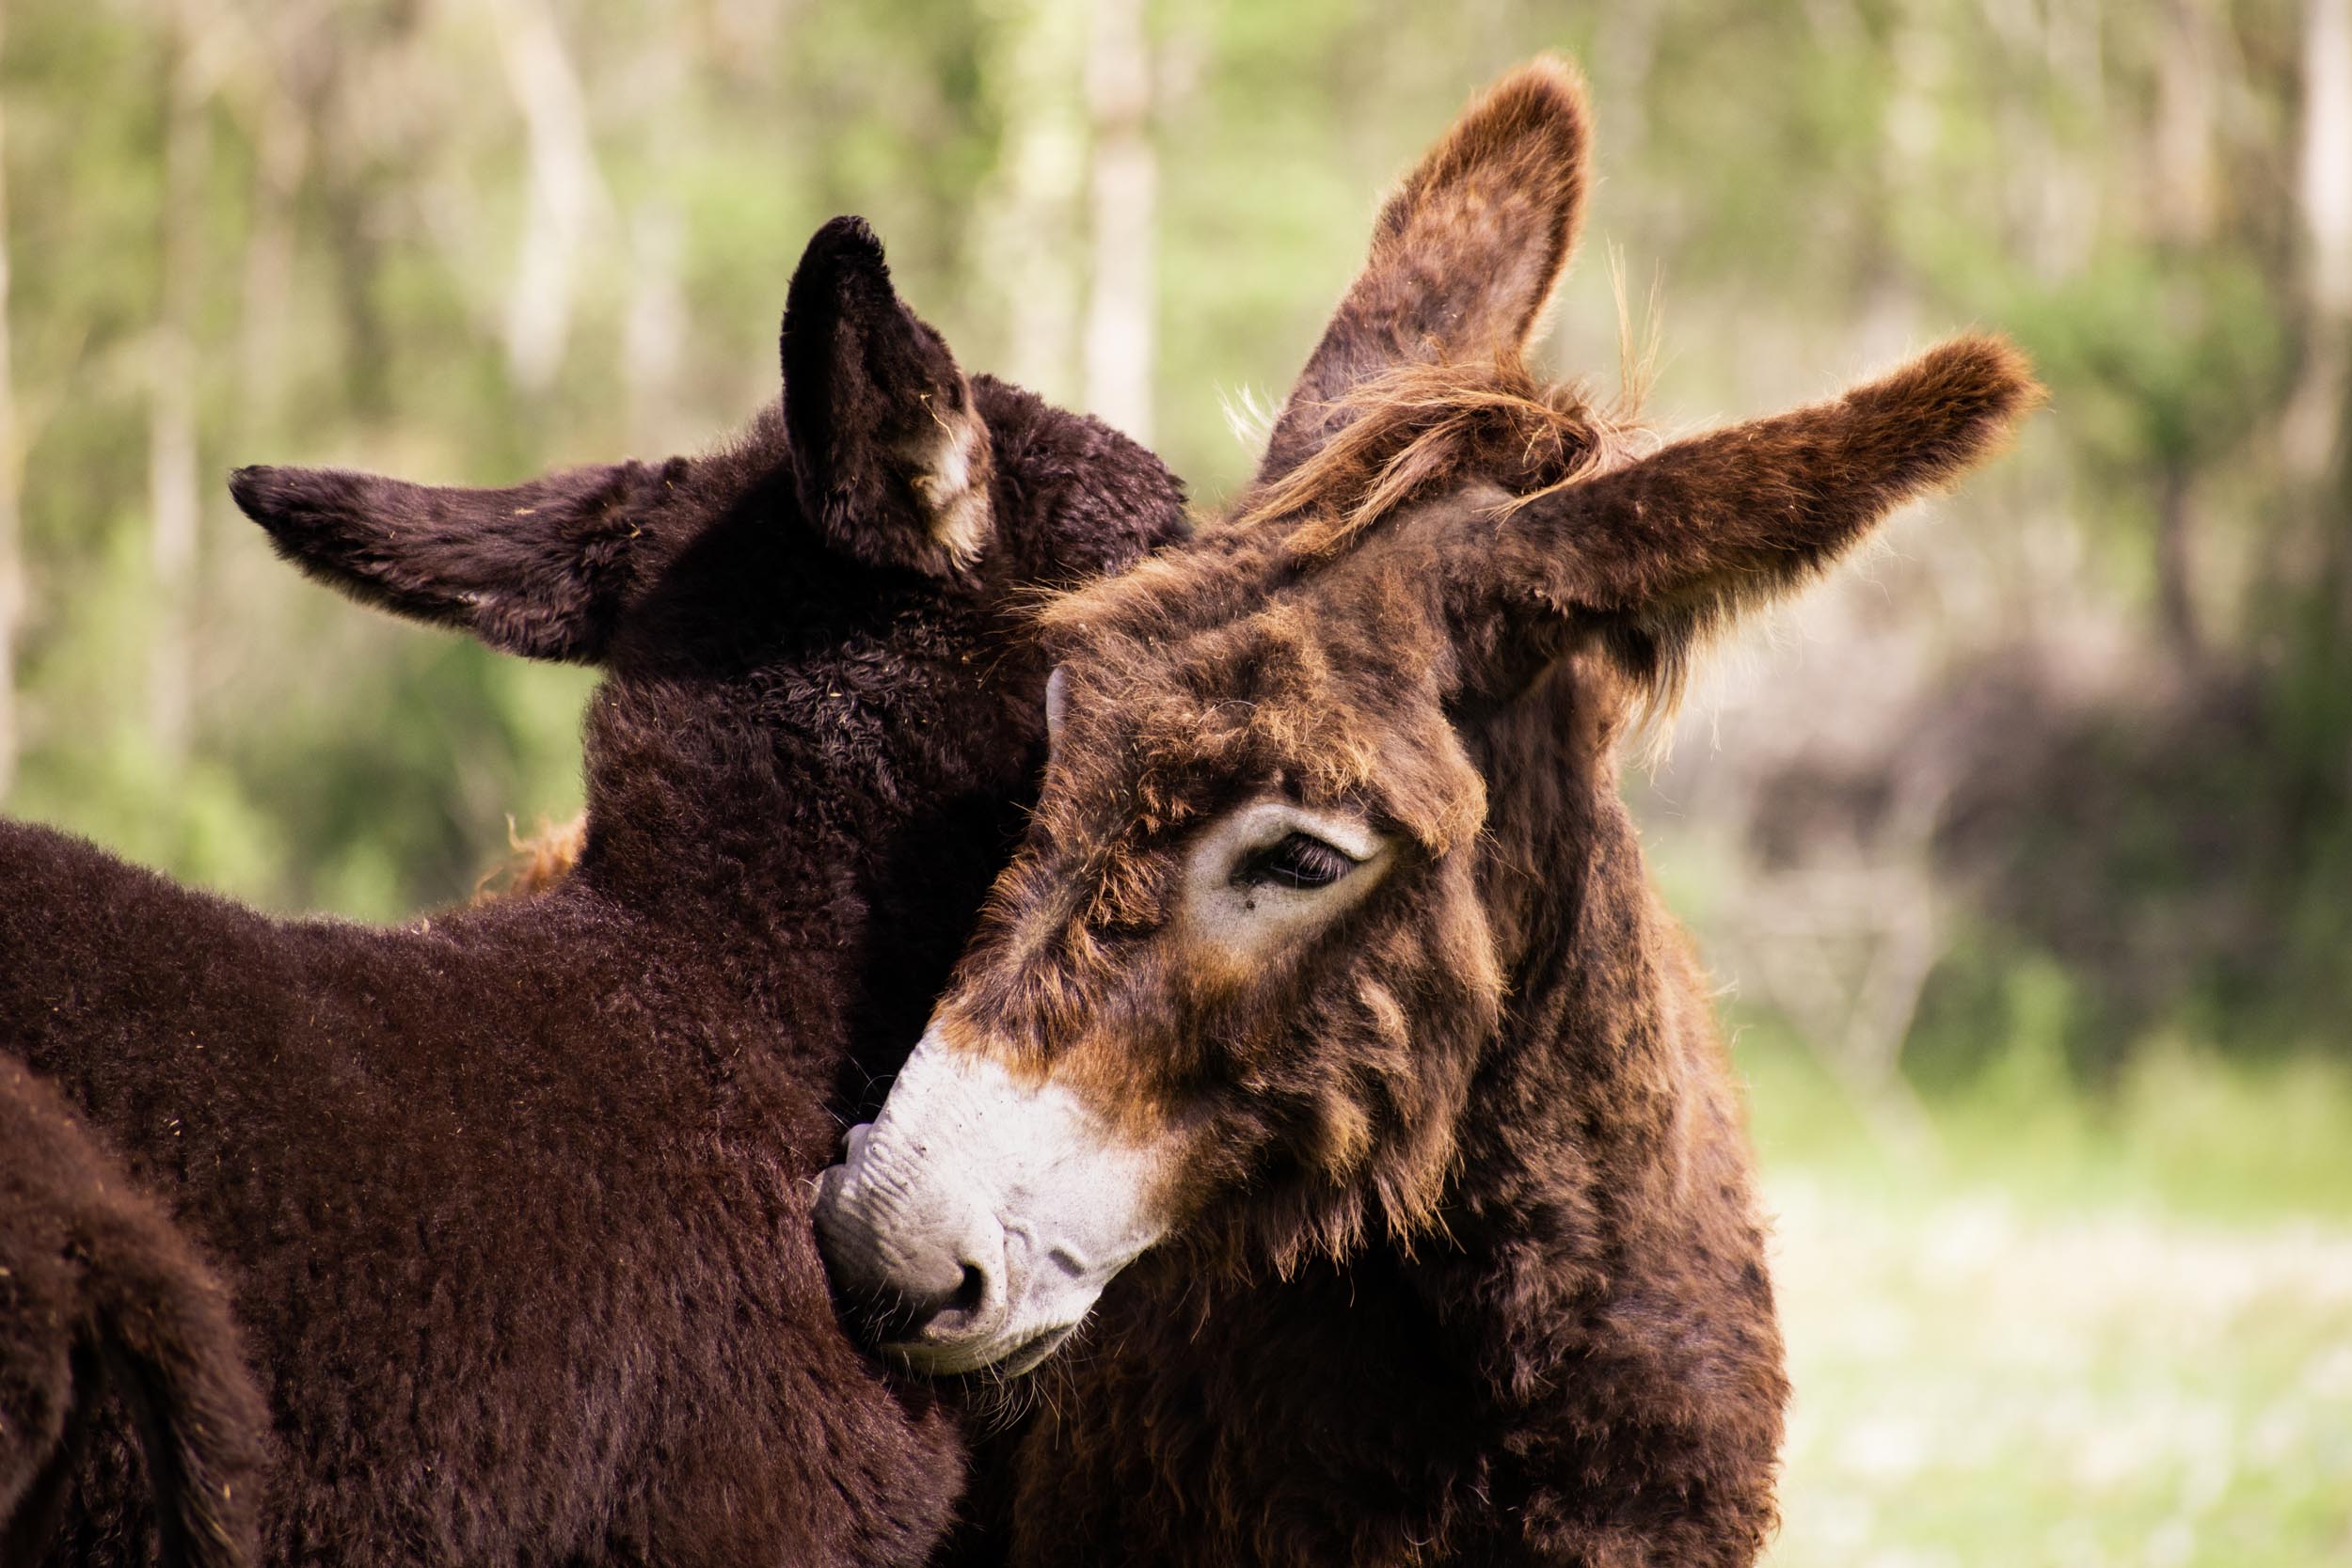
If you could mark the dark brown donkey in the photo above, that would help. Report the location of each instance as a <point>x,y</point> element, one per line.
<point>515,1202</point>
<point>1326,1005</point>
<point>98,1287</point>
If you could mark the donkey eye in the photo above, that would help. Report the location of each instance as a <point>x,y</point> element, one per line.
<point>1300,861</point>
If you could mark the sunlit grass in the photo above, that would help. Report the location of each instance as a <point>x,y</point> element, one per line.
<point>2180,1132</point>
<point>2072,1331</point>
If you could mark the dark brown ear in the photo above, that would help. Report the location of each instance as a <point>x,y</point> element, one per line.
<point>890,457</point>
<point>1655,554</point>
<point>537,569</point>
<point>1464,257</point>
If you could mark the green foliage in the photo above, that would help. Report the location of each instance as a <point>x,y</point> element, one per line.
<point>2167,356</point>
<point>1815,184</point>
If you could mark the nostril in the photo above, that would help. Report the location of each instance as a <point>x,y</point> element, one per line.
<point>947,1311</point>
<point>899,1312</point>
<point>853,1142</point>
<point>971,1293</point>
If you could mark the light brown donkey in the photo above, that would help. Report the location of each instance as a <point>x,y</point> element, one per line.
<point>1326,1027</point>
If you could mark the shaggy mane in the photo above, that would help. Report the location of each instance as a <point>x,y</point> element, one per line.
<point>1422,425</point>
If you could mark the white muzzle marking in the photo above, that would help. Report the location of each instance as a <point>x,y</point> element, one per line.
<point>998,1210</point>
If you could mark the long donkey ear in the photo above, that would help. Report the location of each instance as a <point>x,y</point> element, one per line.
<point>537,569</point>
<point>890,456</point>
<point>1465,255</point>
<point>1655,554</point>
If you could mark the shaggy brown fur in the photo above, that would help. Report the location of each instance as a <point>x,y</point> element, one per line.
<point>1422,427</point>
<point>515,1202</point>
<point>1467,1265</point>
<point>98,1289</point>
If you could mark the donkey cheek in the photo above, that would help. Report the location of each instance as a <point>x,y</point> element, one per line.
<point>1342,1138</point>
<point>1216,971</point>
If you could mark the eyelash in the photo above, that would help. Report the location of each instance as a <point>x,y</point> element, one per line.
<point>1300,861</point>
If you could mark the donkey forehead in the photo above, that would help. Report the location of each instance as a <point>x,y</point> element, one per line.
<point>1241,609</point>
<point>1317,696</point>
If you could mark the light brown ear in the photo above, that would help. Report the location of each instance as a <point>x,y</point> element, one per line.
<point>1657,553</point>
<point>1464,257</point>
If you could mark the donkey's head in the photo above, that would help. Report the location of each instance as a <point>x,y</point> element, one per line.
<point>839,582</point>
<point>1237,984</point>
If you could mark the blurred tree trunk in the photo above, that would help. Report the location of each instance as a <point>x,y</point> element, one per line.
<point>654,331</point>
<point>654,323</point>
<point>2186,78</point>
<point>2324,197</point>
<point>175,500</point>
<point>2067,229</point>
<point>2176,517</point>
<point>11,488</point>
<point>1121,301</point>
<point>2316,433</point>
<point>1026,221</point>
<point>281,156</point>
<point>347,176</point>
<point>567,202</point>
<point>2182,165</point>
<point>1624,51</point>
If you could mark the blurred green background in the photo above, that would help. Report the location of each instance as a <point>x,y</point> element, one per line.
<point>2023,849</point>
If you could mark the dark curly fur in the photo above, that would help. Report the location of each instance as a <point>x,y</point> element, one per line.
<point>99,1292</point>
<point>515,1201</point>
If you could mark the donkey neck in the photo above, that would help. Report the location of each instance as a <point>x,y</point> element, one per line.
<point>835,836</point>
<point>1583,1155</point>
<point>1594,963</point>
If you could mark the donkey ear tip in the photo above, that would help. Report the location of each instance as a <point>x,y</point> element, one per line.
<point>847,241</point>
<point>1998,370</point>
<point>278,498</point>
<point>1553,75</point>
<point>848,225</point>
<point>1547,90</point>
<point>2012,362</point>
<point>255,489</point>
<point>842,261</point>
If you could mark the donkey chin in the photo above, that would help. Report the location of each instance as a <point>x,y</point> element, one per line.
<point>975,1220</point>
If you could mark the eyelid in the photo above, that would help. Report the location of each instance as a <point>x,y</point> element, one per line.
<point>1350,837</point>
<point>1256,866</point>
<point>1257,828</point>
<point>1299,842</point>
<point>1319,841</point>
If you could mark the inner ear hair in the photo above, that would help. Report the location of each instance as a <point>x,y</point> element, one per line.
<point>1465,255</point>
<point>946,468</point>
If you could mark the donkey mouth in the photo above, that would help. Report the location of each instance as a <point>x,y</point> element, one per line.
<point>1021,1355</point>
<point>1031,1353</point>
